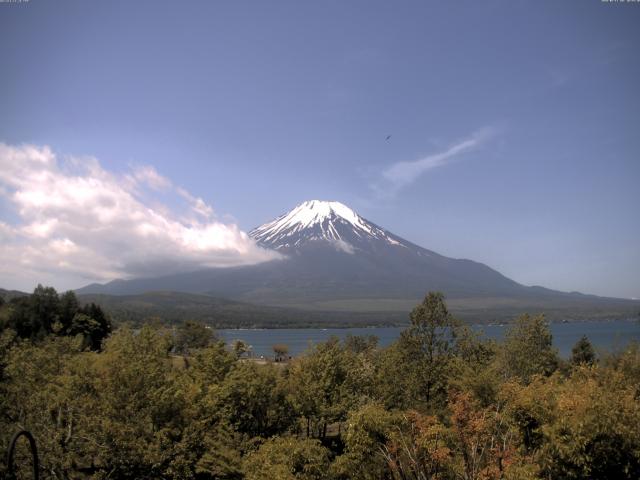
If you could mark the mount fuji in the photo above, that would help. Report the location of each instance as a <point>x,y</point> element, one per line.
<point>334,260</point>
<point>325,222</point>
<point>339,247</point>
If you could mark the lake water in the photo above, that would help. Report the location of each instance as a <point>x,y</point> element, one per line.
<point>604,335</point>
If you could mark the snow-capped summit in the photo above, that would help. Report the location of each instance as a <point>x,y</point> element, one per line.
<point>335,259</point>
<point>316,221</point>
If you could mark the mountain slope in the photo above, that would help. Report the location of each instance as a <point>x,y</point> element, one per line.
<point>175,307</point>
<point>334,259</point>
<point>339,246</point>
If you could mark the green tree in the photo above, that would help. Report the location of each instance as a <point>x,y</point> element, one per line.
<point>281,352</point>
<point>125,412</point>
<point>19,319</point>
<point>44,313</point>
<point>35,316</point>
<point>528,349</point>
<point>45,307</point>
<point>68,308</point>
<point>252,399</point>
<point>140,407</point>
<point>473,348</point>
<point>393,378</point>
<point>360,343</point>
<point>326,383</point>
<point>529,408</point>
<point>473,368</point>
<point>239,348</point>
<point>192,336</point>
<point>218,456</point>
<point>417,366</point>
<point>582,352</point>
<point>368,431</point>
<point>45,396</point>
<point>288,458</point>
<point>96,312</point>
<point>209,366</point>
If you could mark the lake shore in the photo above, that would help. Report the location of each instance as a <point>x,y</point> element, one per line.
<point>605,335</point>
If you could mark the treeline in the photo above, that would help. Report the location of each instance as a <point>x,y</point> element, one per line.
<point>439,403</point>
<point>46,313</point>
<point>175,308</point>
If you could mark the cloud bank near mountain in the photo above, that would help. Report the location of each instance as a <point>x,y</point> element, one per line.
<point>67,220</point>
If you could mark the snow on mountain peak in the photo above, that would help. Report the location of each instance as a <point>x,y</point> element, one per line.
<point>316,211</point>
<point>319,220</point>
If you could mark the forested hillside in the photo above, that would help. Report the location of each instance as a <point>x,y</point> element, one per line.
<point>172,308</point>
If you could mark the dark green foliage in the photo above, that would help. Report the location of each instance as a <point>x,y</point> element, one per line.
<point>95,311</point>
<point>192,335</point>
<point>252,399</point>
<point>87,328</point>
<point>582,352</point>
<point>44,306</point>
<point>34,316</point>
<point>20,320</point>
<point>44,313</point>
<point>69,306</point>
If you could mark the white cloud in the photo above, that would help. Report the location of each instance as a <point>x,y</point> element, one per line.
<point>75,222</point>
<point>198,205</point>
<point>148,175</point>
<point>401,174</point>
<point>6,232</point>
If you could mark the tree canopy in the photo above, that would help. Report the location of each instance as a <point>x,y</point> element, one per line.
<point>442,402</point>
<point>45,312</point>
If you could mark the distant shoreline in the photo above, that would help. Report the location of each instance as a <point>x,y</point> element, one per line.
<point>606,335</point>
<point>404,325</point>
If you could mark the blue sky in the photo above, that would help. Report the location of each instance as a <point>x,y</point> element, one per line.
<point>514,125</point>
